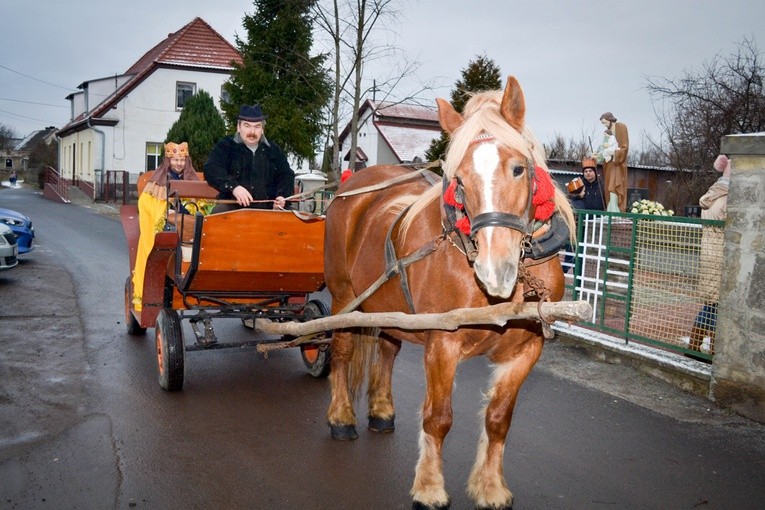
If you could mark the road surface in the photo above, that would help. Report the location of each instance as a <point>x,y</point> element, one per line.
<point>84,423</point>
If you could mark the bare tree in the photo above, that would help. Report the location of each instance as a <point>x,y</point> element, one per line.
<point>8,137</point>
<point>573,149</point>
<point>351,25</point>
<point>725,96</point>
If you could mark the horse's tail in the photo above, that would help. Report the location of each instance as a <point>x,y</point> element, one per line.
<point>365,349</point>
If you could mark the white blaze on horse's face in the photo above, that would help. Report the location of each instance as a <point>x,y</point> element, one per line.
<point>485,164</point>
<point>498,247</point>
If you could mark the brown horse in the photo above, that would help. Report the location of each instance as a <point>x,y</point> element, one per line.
<point>493,165</point>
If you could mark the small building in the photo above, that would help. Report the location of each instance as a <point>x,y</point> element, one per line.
<point>391,133</point>
<point>17,158</point>
<point>119,123</point>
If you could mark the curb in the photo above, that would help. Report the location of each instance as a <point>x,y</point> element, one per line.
<point>675,369</point>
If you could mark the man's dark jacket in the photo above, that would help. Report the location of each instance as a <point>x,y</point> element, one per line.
<point>593,196</point>
<point>266,173</point>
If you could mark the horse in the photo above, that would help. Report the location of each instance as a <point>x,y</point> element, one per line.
<point>461,240</point>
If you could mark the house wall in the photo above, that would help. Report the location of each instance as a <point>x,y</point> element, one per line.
<point>385,155</point>
<point>147,113</point>
<point>143,116</point>
<point>367,139</point>
<point>98,90</point>
<point>77,155</point>
<point>372,143</point>
<point>77,104</point>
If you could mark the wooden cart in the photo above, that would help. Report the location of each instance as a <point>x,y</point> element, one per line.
<point>245,264</point>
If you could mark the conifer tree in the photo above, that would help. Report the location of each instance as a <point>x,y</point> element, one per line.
<point>481,74</point>
<point>201,125</point>
<point>279,73</point>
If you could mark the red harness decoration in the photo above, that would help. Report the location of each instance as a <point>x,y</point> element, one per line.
<point>450,198</point>
<point>543,199</point>
<point>544,194</point>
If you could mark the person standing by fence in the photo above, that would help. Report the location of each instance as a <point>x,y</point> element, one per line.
<point>589,196</point>
<point>713,207</point>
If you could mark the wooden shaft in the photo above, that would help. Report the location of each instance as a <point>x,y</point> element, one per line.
<point>499,315</point>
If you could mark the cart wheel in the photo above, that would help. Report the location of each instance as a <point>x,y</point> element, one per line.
<point>170,350</point>
<point>316,357</point>
<point>133,327</point>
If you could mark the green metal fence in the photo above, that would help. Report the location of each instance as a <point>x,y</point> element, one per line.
<point>649,279</point>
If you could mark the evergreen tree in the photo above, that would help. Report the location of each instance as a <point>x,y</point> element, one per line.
<point>278,72</point>
<point>201,125</point>
<point>480,75</point>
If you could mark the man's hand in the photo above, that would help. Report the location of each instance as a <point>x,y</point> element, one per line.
<point>279,202</point>
<point>242,196</point>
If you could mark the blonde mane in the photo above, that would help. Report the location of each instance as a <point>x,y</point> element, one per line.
<point>482,115</point>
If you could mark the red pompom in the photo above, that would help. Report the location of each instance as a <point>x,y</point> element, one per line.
<point>345,175</point>
<point>544,195</point>
<point>463,224</point>
<point>450,195</point>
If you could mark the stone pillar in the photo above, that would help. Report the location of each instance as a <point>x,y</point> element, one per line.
<point>738,372</point>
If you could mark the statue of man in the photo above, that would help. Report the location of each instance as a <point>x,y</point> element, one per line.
<point>612,154</point>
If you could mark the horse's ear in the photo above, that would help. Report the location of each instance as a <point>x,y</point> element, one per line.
<point>513,104</point>
<point>448,117</point>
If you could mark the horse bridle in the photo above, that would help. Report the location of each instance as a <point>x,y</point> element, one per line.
<point>521,224</point>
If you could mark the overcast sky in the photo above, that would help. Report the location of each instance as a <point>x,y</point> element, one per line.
<point>574,59</point>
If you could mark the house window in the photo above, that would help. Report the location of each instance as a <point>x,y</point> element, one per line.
<point>224,97</point>
<point>183,91</point>
<point>8,163</point>
<point>153,154</point>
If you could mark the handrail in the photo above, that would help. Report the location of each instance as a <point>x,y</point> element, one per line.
<point>59,184</point>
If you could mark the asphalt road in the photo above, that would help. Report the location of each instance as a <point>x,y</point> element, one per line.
<point>84,424</point>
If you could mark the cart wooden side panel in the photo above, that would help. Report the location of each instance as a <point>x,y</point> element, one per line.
<point>247,249</point>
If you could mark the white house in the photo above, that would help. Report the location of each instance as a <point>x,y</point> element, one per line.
<point>120,122</point>
<point>391,133</point>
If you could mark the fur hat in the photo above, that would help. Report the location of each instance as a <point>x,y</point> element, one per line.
<point>608,116</point>
<point>176,150</point>
<point>721,163</point>
<point>251,113</point>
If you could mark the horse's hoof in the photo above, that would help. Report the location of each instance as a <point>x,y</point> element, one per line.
<point>382,425</point>
<point>344,432</point>
<point>416,505</point>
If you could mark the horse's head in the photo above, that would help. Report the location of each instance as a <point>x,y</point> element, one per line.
<point>491,159</point>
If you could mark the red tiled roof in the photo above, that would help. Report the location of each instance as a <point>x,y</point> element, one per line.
<point>197,44</point>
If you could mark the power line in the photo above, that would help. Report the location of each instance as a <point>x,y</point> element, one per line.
<point>36,79</point>
<point>32,102</point>
<point>22,116</point>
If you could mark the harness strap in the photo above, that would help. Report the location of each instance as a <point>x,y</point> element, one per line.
<point>402,264</point>
<point>390,182</point>
<point>393,266</point>
<point>498,219</point>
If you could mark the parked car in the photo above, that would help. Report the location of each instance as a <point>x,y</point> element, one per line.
<point>9,249</point>
<point>21,226</point>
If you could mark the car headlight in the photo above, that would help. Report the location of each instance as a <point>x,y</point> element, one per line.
<point>12,222</point>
